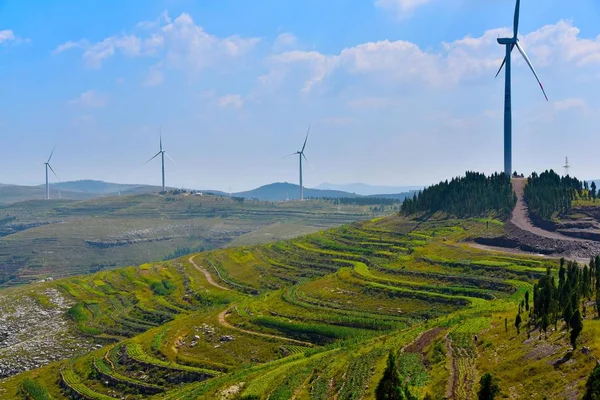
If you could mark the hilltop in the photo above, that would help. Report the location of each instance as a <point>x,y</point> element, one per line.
<point>288,191</point>
<point>91,189</point>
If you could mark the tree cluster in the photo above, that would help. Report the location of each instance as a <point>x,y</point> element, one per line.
<point>472,195</point>
<point>390,386</point>
<point>548,193</point>
<point>552,302</point>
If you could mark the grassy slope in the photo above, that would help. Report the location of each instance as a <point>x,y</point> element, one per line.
<point>145,227</point>
<point>355,293</point>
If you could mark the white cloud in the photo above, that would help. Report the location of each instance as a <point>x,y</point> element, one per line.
<point>6,35</point>
<point>155,75</point>
<point>284,41</point>
<point>178,43</point>
<point>568,104</point>
<point>401,7</point>
<point>90,99</point>
<point>401,64</point>
<point>230,101</point>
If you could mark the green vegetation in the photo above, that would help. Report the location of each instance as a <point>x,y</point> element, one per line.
<point>60,238</point>
<point>548,193</point>
<point>317,317</point>
<point>472,195</point>
<point>488,387</point>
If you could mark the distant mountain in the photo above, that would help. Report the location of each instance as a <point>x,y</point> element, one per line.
<point>14,193</point>
<point>367,190</point>
<point>289,191</point>
<point>94,187</point>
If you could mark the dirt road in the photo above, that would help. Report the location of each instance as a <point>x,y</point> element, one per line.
<point>206,274</point>
<point>520,215</point>
<point>223,322</point>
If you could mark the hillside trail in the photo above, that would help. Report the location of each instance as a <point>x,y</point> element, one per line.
<point>520,215</point>
<point>223,322</point>
<point>206,274</point>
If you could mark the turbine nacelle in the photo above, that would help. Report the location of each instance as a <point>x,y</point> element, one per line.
<point>507,41</point>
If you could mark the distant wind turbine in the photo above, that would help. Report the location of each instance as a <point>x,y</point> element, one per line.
<point>300,155</point>
<point>48,166</point>
<point>510,44</point>
<point>162,153</point>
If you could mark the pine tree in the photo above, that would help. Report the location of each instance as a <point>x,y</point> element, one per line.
<point>592,386</point>
<point>576,327</point>
<point>518,323</point>
<point>390,386</point>
<point>488,387</point>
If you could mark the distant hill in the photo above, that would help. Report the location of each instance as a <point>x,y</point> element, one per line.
<point>14,193</point>
<point>288,191</point>
<point>95,187</point>
<point>367,190</point>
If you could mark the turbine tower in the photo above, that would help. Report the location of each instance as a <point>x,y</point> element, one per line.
<point>510,44</point>
<point>162,153</point>
<point>48,166</point>
<point>300,155</point>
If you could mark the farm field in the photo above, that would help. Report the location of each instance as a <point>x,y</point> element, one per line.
<point>313,317</point>
<point>42,239</point>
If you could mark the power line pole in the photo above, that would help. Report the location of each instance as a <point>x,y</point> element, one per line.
<point>566,166</point>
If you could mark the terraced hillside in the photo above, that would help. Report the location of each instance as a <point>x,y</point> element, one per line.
<point>41,239</point>
<point>311,318</point>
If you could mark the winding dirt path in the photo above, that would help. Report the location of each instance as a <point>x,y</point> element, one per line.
<point>223,322</point>
<point>520,215</point>
<point>206,274</point>
<point>453,379</point>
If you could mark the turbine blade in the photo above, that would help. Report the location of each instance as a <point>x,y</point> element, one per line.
<point>49,166</point>
<point>532,69</point>
<point>160,138</point>
<point>516,25</point>
<point>302,151</point>
<point>156,155</point>
<point>311,166</point>
<point>51,153</point>
<point>169,157</point>
<point>289,155</point>
<point>504,61</point>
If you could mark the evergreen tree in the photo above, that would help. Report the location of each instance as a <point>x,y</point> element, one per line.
<point>592,386</point>
<point>488,387</point>
<point>593,190</point>
<point>548,193</point>
<point>576,327</point>
<point>390,386</point>
<point>527,300</point>
<point>472,195</point>
<point>518,323</point>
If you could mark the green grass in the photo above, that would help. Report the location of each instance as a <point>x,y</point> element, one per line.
<point>355,293</point>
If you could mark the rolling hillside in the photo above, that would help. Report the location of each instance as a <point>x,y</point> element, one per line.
<point>313,317</point>
<point>58,238</point>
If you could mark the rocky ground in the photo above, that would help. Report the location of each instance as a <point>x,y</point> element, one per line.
<point>33,335</point>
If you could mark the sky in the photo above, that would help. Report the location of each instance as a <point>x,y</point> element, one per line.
<point>396,92</point>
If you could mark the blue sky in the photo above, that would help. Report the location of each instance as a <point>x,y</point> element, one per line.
<point>397,92</point>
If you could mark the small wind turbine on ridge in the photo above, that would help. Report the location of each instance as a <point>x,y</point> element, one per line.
<point>510,44</point>
<point>162,153</point>
<point>48,166</point>
<point>300,155</point>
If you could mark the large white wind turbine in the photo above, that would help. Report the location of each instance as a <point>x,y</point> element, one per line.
<point>510,44</point>
<point>300,155</point>
<point>162,153</point>
<point>48,166</point>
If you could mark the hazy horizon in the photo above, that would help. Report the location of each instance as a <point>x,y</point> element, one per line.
<point>392,98</point>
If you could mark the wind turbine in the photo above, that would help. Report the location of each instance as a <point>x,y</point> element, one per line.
<point>510,44</point>
<point>47,164</point>
<point>162,153</point>
<point>300,155</point>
